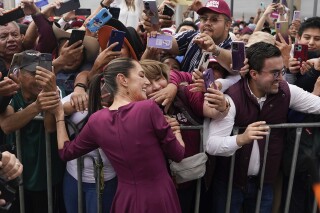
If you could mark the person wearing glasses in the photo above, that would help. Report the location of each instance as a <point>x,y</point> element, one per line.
<point>261,98</point>
<point>213,36</point>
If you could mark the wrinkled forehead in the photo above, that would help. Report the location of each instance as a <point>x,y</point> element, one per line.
<point>10,27</point>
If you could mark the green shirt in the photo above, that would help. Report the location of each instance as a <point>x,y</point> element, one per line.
<point>33,148</point>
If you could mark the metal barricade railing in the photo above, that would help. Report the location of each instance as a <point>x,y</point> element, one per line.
<point>198,187</point>
<point>299,127</point>
<point>49,172</point>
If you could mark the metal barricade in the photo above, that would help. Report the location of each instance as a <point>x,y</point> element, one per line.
<point>49,172</point>
<point>299,127</point>
<point>98,169</point>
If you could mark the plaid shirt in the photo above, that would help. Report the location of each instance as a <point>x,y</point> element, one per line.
<point>191,51</point>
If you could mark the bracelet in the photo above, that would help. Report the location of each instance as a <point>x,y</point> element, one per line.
<point>59,121</point>
<point>102,5</point>
<point>81,85</point>
<point>216,51</point>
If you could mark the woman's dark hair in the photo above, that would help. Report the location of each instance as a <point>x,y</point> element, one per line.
<point>313,22</point>
<point>108,77</point>
<point>259,52</point>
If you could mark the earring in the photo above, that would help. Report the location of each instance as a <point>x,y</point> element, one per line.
<point>128,92</point>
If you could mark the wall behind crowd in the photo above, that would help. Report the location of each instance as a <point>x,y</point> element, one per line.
<point>241,7</point>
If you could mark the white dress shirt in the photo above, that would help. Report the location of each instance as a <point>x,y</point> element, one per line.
<point>220,143</point>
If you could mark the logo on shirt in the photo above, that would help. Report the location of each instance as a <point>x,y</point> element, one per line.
<point>214,4</point>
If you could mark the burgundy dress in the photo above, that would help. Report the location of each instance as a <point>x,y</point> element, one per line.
<point>136,138</point>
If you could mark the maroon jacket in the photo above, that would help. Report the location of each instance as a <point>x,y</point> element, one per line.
<point>274,111</point>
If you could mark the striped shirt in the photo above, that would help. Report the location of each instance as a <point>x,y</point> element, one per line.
<point>191,51</point>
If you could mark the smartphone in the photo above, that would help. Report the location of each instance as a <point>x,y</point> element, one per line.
<point>115,12</point>
<point>83,12</point>
<point>117,36</point>
<point>76,35</point>
<point>168,11</point>
<point>300,52</point>
<point>238,55</point>
<point>151,10</point>
<point>282,28</point>
<point>204,61</point>
<point>102,17</point>
<point>262,6</point>
<point>161,41</point>
<point>296,15</point>
<point>11,15</point>
<point>41,3</point>
<point>45,61</point>
<point>67,7</point>
<point>208,78</point>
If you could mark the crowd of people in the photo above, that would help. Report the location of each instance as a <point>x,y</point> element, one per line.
<point>125,108</point>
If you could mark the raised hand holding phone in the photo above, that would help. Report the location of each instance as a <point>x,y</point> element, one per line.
<point>117,36</point>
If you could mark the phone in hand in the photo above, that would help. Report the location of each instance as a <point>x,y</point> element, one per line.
<point>11,15</point>
<point>204,61</point>
<point>82,12</point>
<point>282,28</point>
<point>76,35</point>
<point>300,52</point>
<point>151,10</point>
<point>238,55</point>
<point>117,36</point>
<point>296,15</point>
<point>102,17</point>
<point>115,12</point>
<point>67,7</point>
<point>41,3</point>
<point>45,61</point>
<point>161,41</point>
<point>208,78</point>
<point>168,11</point>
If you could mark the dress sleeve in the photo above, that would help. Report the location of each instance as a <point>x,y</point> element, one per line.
<point>83,143</point>
<point>168,141</point>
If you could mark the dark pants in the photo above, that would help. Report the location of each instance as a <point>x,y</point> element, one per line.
<point>187,197</point>
<point>37,201</point>
<point>302,194</point>
<point>244,199</point>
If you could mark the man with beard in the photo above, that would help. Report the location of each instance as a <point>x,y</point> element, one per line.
<point>213,36</point>
<point>261,98</point>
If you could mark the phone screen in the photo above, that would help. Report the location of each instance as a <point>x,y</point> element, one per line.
<point>208,78</point>
<point>161,41</point>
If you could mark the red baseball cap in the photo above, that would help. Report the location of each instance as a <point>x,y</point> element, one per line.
<point>217,6</point>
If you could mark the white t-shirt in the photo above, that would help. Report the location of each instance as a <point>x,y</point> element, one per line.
<point>88,166</point>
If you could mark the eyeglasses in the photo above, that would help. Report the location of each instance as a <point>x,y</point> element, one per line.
<point>214,20</point>
<point>277,73</point>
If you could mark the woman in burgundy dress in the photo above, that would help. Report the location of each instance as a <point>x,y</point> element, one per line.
<point>134,135</point>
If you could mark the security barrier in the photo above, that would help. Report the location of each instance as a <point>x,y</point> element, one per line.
<point>97,163</point>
